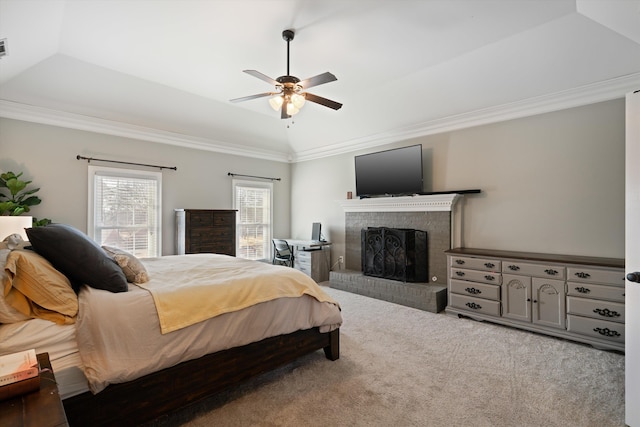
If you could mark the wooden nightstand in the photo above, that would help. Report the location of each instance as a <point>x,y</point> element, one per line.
<point>42,408</point>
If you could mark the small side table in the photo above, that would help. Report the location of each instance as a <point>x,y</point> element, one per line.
<point>42,408</point>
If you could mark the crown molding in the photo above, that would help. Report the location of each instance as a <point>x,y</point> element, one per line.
<point>47,116</point>
<point>576,97</point>
<point>583,95</point>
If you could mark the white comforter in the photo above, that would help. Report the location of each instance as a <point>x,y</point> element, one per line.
<point>119,336</point>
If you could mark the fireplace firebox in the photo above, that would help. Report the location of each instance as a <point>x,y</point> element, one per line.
<point>395,253</point>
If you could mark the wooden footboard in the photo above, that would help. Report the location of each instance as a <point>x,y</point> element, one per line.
<point>162,392</point>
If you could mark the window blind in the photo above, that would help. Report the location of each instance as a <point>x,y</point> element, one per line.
<point>126,210</point>
<point>253,201</point>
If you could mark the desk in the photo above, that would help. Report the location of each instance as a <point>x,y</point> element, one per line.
<point>312,258</point>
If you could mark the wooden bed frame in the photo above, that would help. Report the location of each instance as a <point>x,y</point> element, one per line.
<point>163,392</point>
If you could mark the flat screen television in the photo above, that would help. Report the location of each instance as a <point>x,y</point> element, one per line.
<point>391,172</point>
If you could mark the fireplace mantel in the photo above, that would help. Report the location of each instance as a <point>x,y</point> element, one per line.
<point>418,203</point>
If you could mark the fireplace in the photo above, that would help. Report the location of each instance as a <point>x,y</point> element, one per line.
<point>394,253</point>
<point>432,213</point>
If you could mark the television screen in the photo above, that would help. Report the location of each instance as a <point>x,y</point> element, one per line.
<point>391,172</point>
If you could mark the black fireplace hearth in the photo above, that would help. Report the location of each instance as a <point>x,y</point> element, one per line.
<point>395,253</point>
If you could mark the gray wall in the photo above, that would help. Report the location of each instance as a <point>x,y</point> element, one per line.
<point>551,183</point>
<point>47,155</point>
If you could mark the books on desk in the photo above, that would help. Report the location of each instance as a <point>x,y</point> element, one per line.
<point>19,374</point>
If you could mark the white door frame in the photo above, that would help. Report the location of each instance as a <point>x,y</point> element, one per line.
<point>632,260</point>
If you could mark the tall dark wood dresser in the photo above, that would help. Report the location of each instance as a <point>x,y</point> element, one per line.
<point>205,230</point>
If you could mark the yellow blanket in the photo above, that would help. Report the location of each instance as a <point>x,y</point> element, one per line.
<point>188,289</point>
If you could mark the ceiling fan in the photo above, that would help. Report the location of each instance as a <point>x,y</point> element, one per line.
<point>289,95</point>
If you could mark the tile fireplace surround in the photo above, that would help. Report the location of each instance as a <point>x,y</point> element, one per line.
<point>436,214</point>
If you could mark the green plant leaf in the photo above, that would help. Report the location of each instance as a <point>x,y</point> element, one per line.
<point>41,222</point>
<point>19,211</point>
<point>31,201</point>
<point>20,198</point>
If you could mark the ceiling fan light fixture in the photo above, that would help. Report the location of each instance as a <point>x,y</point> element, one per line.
<point>292,109</point>
<point>298,100</point>
<point>276,102</point>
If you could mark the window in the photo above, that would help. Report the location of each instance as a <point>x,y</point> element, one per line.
<point>125,209</point>
<point>253,200</point>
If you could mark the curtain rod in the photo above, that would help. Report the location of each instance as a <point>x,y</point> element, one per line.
<point>252,176</point>
<point>88,159</point>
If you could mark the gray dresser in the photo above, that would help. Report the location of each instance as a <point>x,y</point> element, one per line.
<point>573,297</point>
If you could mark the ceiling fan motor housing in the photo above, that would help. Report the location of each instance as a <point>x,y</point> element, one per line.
<point>287,35</point>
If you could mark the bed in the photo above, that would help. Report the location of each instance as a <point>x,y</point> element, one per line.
<point>129,356</point>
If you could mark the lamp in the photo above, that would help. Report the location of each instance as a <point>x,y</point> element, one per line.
<point>290,94</point>
<point>14,224</point>
<point>276,102</point>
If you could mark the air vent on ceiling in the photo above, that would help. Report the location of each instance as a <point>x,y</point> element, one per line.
<point>3,47</point>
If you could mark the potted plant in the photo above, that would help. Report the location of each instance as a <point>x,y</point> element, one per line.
<point>20,199</point>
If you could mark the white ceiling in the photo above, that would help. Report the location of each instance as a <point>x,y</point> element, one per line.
<point>164,70</point>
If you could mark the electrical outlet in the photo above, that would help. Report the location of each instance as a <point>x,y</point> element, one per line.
<point>340,259</point>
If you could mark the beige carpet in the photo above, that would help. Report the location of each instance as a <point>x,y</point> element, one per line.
<point>405,367</point>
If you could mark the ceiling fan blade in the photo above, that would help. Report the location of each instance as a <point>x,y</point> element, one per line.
<point>318,80</point>
<point>261,76</point>
<point>247,98</point>
<point>322,101</point>
<point>283,111</point>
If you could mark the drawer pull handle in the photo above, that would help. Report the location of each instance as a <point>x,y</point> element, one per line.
<point>460,273</point>
<point>473,291</point>
<point>489,277</point>
<point>583,290</point>
<point>459,261</point>
<point>489,264</point>
<point>606,312</point>
<point>606,332</point>
<point>473,305</point>
<point>514,268</point>
<point>583,275</point>
<point>551,272</point>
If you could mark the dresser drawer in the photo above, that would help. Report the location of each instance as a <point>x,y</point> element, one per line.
<point>596,328</point>
<point>479,290</point>
<point>302,263</point>
<point>477,305</point>
<point>476,275</point>
<point>605,310</point>
<point>485,264</point>
<point>588,290</point>
<point>201,236</point>
<point>303,256</point>
<point>225,219</point>
<point>592,275</point>
<point>304,267</point>
<point>220,233</point>
<point>199,219</point>
<point>537,270</point>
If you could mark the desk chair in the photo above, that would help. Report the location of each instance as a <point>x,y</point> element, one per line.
<point>282,253</point>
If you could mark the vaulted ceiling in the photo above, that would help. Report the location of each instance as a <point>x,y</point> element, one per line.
<point>165,70</point>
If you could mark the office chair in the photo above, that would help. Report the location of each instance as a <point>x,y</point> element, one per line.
<point>282,253</point>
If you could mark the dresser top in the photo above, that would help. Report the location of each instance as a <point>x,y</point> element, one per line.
<point>532,256</point>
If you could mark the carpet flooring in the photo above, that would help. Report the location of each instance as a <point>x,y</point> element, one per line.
<point>401,366</point>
